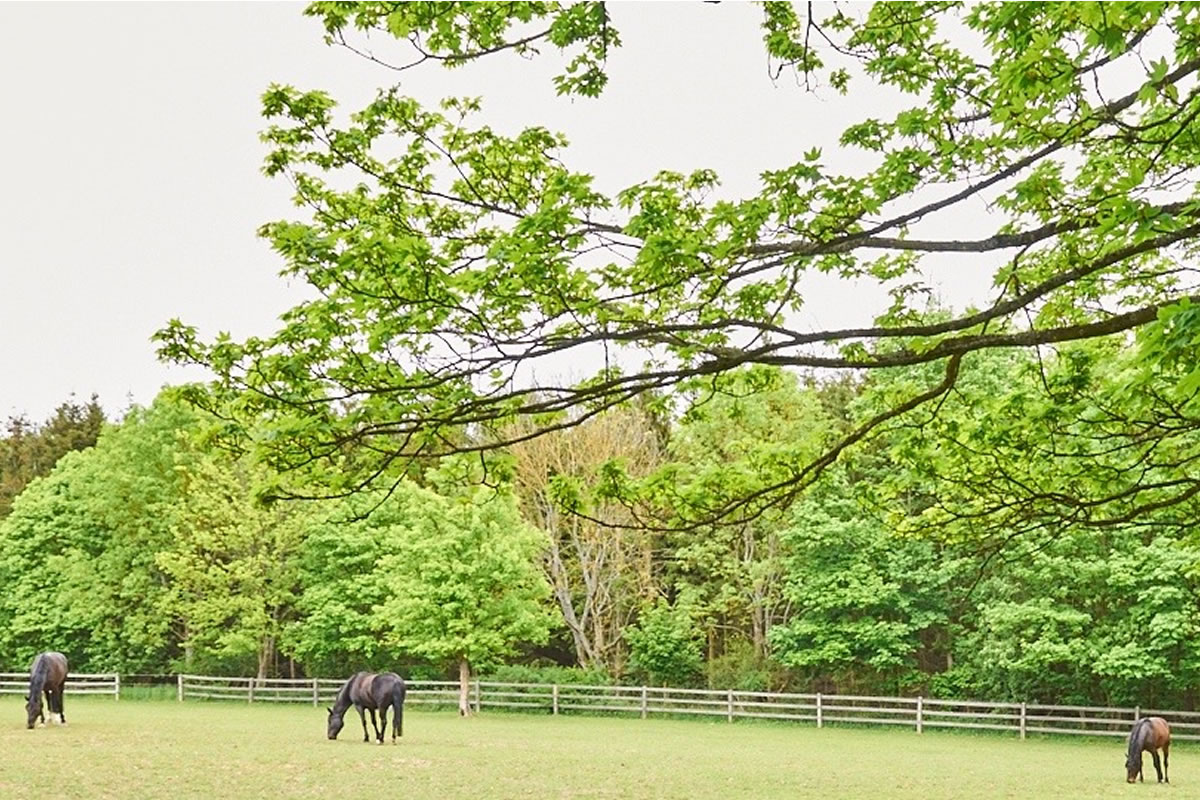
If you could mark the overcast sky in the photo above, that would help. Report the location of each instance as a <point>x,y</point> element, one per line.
<point>130,183</point>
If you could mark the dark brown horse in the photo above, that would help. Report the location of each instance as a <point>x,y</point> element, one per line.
<point>47,675</point>
<point>1153,734</point>
<point>368,690</point>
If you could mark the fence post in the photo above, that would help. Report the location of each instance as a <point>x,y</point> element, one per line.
<point>316,693</point>
<point>554,700</point>
<point>820,721</point>
<point>179,679</point>
<point>477,699</point>
<point>643,702</point>
<point>1137,713</point>
<point>920,714</point>
<point>250,698</point>
<point>729,706</point>
<point>1023,723</point>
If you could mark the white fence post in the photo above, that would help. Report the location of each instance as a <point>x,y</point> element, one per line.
<point>1137,713</point>
<point>644,702</point>
<point>554,700</point>
<point>820,721</point>
<point>1023,723</point>
<point>729,706</point>
<point>478,701</point>
<point>179,678</point>
<point>117,686</point>
<point>250,694</point>
<point>316,693</point>
<point>920,716</point>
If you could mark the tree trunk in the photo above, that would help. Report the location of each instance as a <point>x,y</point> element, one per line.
<point>266,655</point>
<point>464,687</point>
<point>758,625</point>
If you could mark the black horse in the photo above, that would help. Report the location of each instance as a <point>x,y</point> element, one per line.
<point>47,676</point>
<point>373,691</point>
<point>1153,734</point>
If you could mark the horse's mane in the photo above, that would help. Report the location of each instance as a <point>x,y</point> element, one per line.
<point>1136,737</point>
<point>37,679</point>
<point>342,701</point>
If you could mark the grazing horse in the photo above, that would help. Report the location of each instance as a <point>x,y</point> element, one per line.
<point>373,691</point>
<point>47,675</point>
<point>1153,734</point>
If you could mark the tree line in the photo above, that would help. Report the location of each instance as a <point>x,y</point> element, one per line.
<point>901,571</point>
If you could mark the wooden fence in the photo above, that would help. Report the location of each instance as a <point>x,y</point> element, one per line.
<point>316,691</point>
<point>917,713</point>
<point>77,683</point>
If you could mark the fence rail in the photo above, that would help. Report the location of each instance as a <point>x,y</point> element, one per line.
<point>77,683</point>
<point>918,713</point>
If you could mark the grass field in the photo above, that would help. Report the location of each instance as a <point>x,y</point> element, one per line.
<point>134,750</point>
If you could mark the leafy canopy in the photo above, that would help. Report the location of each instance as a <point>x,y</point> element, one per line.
<point>453,262</point>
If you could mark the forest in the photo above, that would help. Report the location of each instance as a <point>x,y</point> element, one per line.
<point>994,501</point>
<point>894,574</point>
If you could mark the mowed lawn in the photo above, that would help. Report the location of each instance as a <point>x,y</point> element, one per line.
<point>147,749</point>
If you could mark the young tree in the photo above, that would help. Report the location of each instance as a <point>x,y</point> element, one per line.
<point>454,267</point>
<point>465,588</point>
<point>665,645</point>
<point>335,631</point>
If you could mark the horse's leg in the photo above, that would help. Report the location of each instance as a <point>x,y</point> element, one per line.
<point>61,693</point>
<point>375,723</point>
<point>1157,765</point>
<point>362,716</point>
<point>382,723</point>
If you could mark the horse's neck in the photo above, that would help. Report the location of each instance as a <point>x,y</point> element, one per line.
<point>342,701</point>
<point>1141,732</point>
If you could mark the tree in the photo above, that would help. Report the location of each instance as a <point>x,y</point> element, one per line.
<point>727,440</point>
<point>28,451</point>
<point>665,645</point>
<point>465,588</point>
<point>865,602</point>
<point>452,269</point>
<point>77,552</point>
<point>598,562</point>
<point>1087,619</point>
<point>336,631</point>
<point>232,566</point>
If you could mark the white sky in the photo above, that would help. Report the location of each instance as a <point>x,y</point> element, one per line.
<point>130,184</point>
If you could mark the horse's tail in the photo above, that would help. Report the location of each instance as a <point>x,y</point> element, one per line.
<point>398,693</point>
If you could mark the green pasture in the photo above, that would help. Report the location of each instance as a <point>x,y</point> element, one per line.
<point>159,749</point>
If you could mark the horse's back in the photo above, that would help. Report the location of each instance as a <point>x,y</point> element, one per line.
<point>54,664</point>
<point>1160,732</point>
<point>361,684</point>
<point>389,684</point>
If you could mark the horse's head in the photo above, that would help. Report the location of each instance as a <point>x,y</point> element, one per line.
<point>33,709</point>
<point>1133,766</point>
<point>336,721</point>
